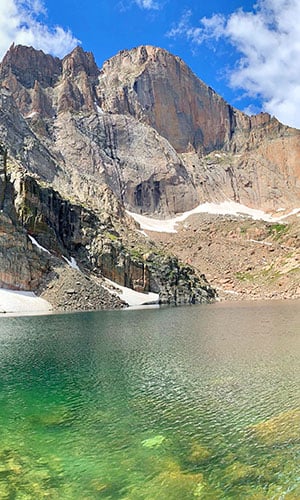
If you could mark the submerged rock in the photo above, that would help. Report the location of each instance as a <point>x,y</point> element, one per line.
<point>239,473</point>
<point>280,430</point>
<point>28,476</point>
<point>154,441</point>
<point>198,454</point>
<point>169,485</point>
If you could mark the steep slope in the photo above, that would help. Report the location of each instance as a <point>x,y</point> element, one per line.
<point>150,129</point>
<point>158,88</point>
<point>87,146</point>
<point>259,165</point>
<point>81,145</point>
<point>42,233</point>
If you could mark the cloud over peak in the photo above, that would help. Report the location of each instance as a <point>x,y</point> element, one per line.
<point>21,23</point>
<point>267,41</point>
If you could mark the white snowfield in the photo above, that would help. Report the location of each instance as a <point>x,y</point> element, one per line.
<point>224,208</point>
<point>133,298</point>
<point>13,302</point>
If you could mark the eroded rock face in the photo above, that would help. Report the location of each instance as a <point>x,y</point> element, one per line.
<point>3,179</point>
<point>21,266</point>
<point>141,167</point>
<point>159,88</point>
<point>95,240</point>
<point>79,146</point>
<point>263,174</point>
<point>147,127</point>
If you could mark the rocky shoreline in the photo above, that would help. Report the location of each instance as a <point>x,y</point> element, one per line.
<point>68,289</point>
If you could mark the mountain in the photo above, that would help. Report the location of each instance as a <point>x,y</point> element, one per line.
<point>81,145</point>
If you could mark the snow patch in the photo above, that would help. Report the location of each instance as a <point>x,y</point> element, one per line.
<point>31,115</point>
<point>296,211</point>
<point>98,109</point>
<point>225,208</point>
<point>12,301</point>
<point>130,296</point>
<point>72,262</point>
<point>143,233</point>
<point>36,243</point>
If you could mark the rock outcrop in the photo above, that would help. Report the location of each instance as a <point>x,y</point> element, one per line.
<point>21,267</point>
<point>46,231</point>
<point>80,145</point>
<point>154,86</point>
<point>147,127</point>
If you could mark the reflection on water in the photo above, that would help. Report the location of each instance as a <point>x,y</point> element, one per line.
<point>177,403</point>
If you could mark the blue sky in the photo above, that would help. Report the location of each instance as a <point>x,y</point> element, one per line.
<point>248,51</point>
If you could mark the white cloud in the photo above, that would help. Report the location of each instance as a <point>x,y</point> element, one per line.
<point>212,27</point>
<point>147,4</point>
<point>20,22</point>
<point>268,41</point>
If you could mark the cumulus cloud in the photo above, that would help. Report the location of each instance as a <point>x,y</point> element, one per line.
<point>209,28</point>
<point>147,4</point>
<point>21,23</point>
<point>267,40</point>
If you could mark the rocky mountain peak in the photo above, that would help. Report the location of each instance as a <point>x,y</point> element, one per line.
<point>28,65</point>
<point>148,127</point>
<point>137,57</point>
<point>79,61</point>
<point>150,84</point>
<point>31,76</point>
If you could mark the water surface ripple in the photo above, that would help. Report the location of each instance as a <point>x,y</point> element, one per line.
<point>176,403</point>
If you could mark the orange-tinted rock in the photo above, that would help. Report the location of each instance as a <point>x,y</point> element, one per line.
<point>147,127</point>
<point>159,88</point>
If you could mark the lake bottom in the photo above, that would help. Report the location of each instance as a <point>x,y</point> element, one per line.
<point>174,403</point>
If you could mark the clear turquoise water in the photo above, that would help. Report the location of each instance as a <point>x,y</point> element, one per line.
<point>175,403</point>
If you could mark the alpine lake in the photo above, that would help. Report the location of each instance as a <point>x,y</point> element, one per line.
<point>199,402</point>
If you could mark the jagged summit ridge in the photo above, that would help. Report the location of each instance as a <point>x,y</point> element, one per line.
<point>30,65</point>
<point>149,128</point>
<point>147,82</point>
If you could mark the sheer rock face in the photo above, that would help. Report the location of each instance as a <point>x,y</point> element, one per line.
<point>158,88</point>
<point>21,266</point>
<point>147,127</point>
<point>259,163</point>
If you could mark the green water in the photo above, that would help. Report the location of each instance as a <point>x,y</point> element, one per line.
<point>159,404</point>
